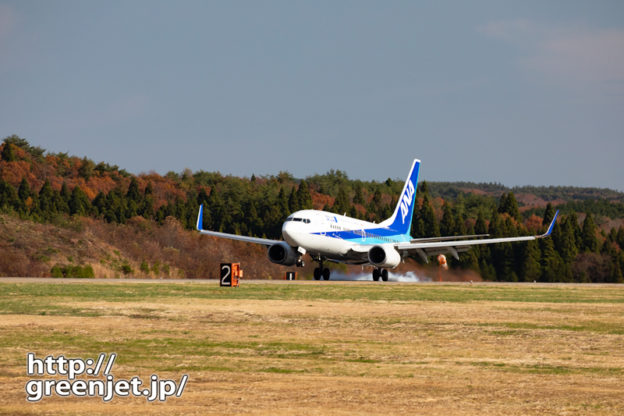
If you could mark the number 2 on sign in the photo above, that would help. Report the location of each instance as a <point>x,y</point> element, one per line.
<point>226,272</point>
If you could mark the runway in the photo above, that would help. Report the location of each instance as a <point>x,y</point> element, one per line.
<point>53,280</point>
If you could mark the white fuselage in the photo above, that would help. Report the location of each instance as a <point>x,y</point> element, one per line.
<point>333,236</point>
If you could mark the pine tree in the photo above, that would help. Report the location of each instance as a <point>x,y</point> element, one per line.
<point>115,208</point>
<point>65,193</point>
<point>460,222</point>
<point>502,256</point>
<point>282,201</point>
<point>23,192</point>
<point>447,225</point>
<point>550,261</point>
<point>358,198</point>
<point>99,204</point>
<point>418,227</point>
<point>576,230</point>
<point>293,202</point>
<point>8,196</point>
<point>7,152</point>
<point>509,205</point>
<point>495,228</point>
<point>132,210</point>
<point>303,196</point>
<point>353,213</point>
<point>567,243</point>
<point>149,190</point>
<point>620,237</point>
<point>26,198</point>
<point>487,270</point>
<point>469,261</point>
<point>480,227</point>
<point>530,269</point>
<point>588,235</point>
<point>429,222</point>
<point>78,203</point>
<point>86,168</point>
<point>133,193</point>
<point>375,204</point>
<point>255,222</point>
<point>616,272</point>
<point>549,214</point>
<point>47,203</point>
<point>341,204</point>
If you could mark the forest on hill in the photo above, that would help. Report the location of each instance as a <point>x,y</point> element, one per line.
<point>51,189</point>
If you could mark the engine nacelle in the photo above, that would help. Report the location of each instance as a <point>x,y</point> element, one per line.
<point>382,256</point>
<point>282,253</point>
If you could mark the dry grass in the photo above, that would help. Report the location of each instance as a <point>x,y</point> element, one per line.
<point>321,355</point>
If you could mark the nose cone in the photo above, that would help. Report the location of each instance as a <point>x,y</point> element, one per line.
<point>289,232</point>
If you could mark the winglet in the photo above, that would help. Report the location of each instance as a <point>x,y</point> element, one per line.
<point>200,218</point>
<point>552,224</point>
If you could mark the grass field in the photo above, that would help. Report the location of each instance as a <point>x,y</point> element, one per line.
<point>326,348</point>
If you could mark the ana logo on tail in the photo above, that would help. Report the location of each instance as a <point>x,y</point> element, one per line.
<point>406,200</point>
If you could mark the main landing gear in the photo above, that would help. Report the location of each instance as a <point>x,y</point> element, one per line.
<point>378,272</point>
<point>321,272</point>
<point>318,273</point>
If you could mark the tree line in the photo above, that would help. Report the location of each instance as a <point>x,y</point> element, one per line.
<point>577,251</point>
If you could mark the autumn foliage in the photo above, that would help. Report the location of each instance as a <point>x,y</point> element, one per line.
<point>122,224</point>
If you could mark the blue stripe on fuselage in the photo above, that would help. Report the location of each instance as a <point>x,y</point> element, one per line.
<point>372,236</point>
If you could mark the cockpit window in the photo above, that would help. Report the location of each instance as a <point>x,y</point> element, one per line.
<point>303,220</point>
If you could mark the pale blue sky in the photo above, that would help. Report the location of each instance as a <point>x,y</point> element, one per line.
<point>518,92</point>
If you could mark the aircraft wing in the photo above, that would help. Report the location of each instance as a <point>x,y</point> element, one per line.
<point>453,237</point>
<point>444,245</point>
<point>256,240</point>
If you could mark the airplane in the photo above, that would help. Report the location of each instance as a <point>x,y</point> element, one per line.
<point>326,236</point>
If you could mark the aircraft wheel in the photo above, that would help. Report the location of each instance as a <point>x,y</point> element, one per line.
<point>326,274</point>
<point>384,275</point>
<point>376,275</point>
<point>317,274</point>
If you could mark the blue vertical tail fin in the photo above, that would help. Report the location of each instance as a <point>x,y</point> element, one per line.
<point>401,219</point>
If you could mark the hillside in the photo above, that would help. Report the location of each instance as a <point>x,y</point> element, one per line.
<point>120,224</point>
<point>86,247</point>
<point>139,248</point>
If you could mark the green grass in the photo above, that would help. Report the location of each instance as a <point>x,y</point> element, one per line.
<point>515,328</point>
<point>549,369</point>
<point>38,296</point>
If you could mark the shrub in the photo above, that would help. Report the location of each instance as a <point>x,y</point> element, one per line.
<point>72,271</point>
<point>126,269</point>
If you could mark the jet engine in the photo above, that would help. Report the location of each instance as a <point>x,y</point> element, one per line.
<point>282,253</point>
<point>383,256</point>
